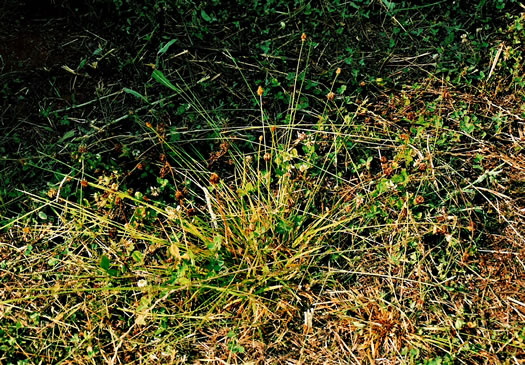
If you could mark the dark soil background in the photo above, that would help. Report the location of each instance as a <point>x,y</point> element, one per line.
<point>64,64</point>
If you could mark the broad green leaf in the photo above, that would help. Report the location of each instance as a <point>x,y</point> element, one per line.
<point>166,46</point>
<point>135,94</point>
<point>137,256</point>
<point>159,76</point>
<point>113,272</point>
<point>67,135</point>
<point>105,263</point>
<point>205,16</point>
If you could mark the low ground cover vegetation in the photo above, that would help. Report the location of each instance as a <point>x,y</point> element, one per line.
<point>276,182</point>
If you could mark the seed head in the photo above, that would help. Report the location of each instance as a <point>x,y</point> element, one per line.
<point>471,226</point>
<point>179,195</point>
<point>267,156</point>
<point>260,91</point>
<point>419,200</point>
<point>338,71</point>
<point>303,37</point>
<point>330,96</point>
<point>214,179</point>
<point>84,183</point>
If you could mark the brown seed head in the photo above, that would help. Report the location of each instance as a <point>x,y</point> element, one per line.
<point>148,124</point>
<point>303,37</point>
<point>471,226</point>
<point>338,71</point>
<point>214,179</point>
<point>419,200</point>
<point>179,195</point>
<point>267,156</point>
<point>383,159</point>
<point>52,193</point>
<point>362,84</point>
<point>422,166</point>
<point>260,91</point>
<point>84,183</point>
<point>330,96</point>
